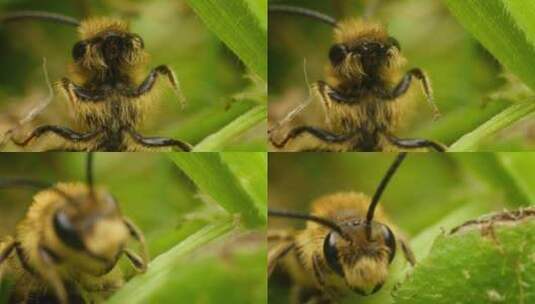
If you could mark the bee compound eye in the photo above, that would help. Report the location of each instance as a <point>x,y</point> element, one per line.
<point>337,53</point>
<point>331,253</point>
<point>78,50</point>
<point>66,231</point>
<point>390,242</point>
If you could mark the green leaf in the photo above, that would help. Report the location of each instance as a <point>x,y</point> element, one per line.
<point>216,141</point>
<point>470,141</point>
<point>238,26</point>
<point>489,263</point>
<point>142,288</point>
<point>213,175</point>
<point>504,27</point>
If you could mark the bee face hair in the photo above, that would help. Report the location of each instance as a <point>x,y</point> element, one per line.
<point>363,48</point>
<point>107,44</point>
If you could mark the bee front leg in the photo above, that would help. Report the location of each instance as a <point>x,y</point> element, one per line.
<point>5,253</point>
<point>139,262</point>
<point>78,93</point>
<point>415,143</point>
<point>65,133</point>
<point>322,135</point>
<point>159,142</point>
<point>276,253</point>
<point>407,252</point>
<point>320,279</point>
<point>403,86</point>
<point>48,261</point>
<point>146,86</point>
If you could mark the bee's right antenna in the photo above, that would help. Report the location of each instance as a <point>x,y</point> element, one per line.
<point>21,15</point>
<point>308,217</point>
<point>288,9</point>
<point>382,185</point>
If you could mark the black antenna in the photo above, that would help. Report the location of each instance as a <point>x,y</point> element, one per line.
<point>308,217</point>
<point>34,184</point>
<point>38,15</point>
<point>382,185</point>
<point>295,10</point>
<point>89,174</point>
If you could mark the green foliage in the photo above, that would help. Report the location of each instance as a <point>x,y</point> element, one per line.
<point>480,265</point>
<point>236,181</point>
<point>163,269</point>
<point>505,28</point>
<point>470,141</point>
<point>241,124</point>
<point>241,26</point>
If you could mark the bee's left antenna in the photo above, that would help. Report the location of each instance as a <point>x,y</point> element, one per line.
<point>35,184</point>
<point>305,12</point>
<point>308,217</point>
<point>38,15</point>
<point>382,185</point>
<point>89,174</point>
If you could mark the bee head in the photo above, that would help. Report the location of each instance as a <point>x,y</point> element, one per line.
<point>89,222</point>
<point>361,259</point>
<point>363,48</point>
<point>107,43</point>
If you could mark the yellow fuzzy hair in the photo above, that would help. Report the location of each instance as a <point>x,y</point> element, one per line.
<point>356,29</point>
<point>94,26</point>
<point>338,205</point>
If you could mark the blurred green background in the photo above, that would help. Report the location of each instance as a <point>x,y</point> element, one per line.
<point>211,75</point>
<point>169,209</point>
<point>430,193</point>
<point>470,86</point>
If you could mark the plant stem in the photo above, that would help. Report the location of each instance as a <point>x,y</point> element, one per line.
<point>141,288</point>
<point>238,126</point>
<point>470,141</point>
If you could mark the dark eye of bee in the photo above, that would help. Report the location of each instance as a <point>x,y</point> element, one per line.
<point>390,242</point>
<point>78,50</point>
<point>394,42</point>
<point>331,253</point>
<point>337,53</point>
<point>66,231</point>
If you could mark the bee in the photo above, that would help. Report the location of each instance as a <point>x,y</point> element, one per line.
<point>363,96</point>
<point>68,245</point>
<point>108,92</point>
<point>346,247</point>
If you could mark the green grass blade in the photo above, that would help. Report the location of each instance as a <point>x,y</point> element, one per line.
<point>143,287</point>
<point>489,169</point>
<point>213,176</point>
<point>251,173</point>
<point>238,26</point>
<point>237,127</point>
<point>503,27</point>
<point>470,141</point>
<point>520,169</point>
